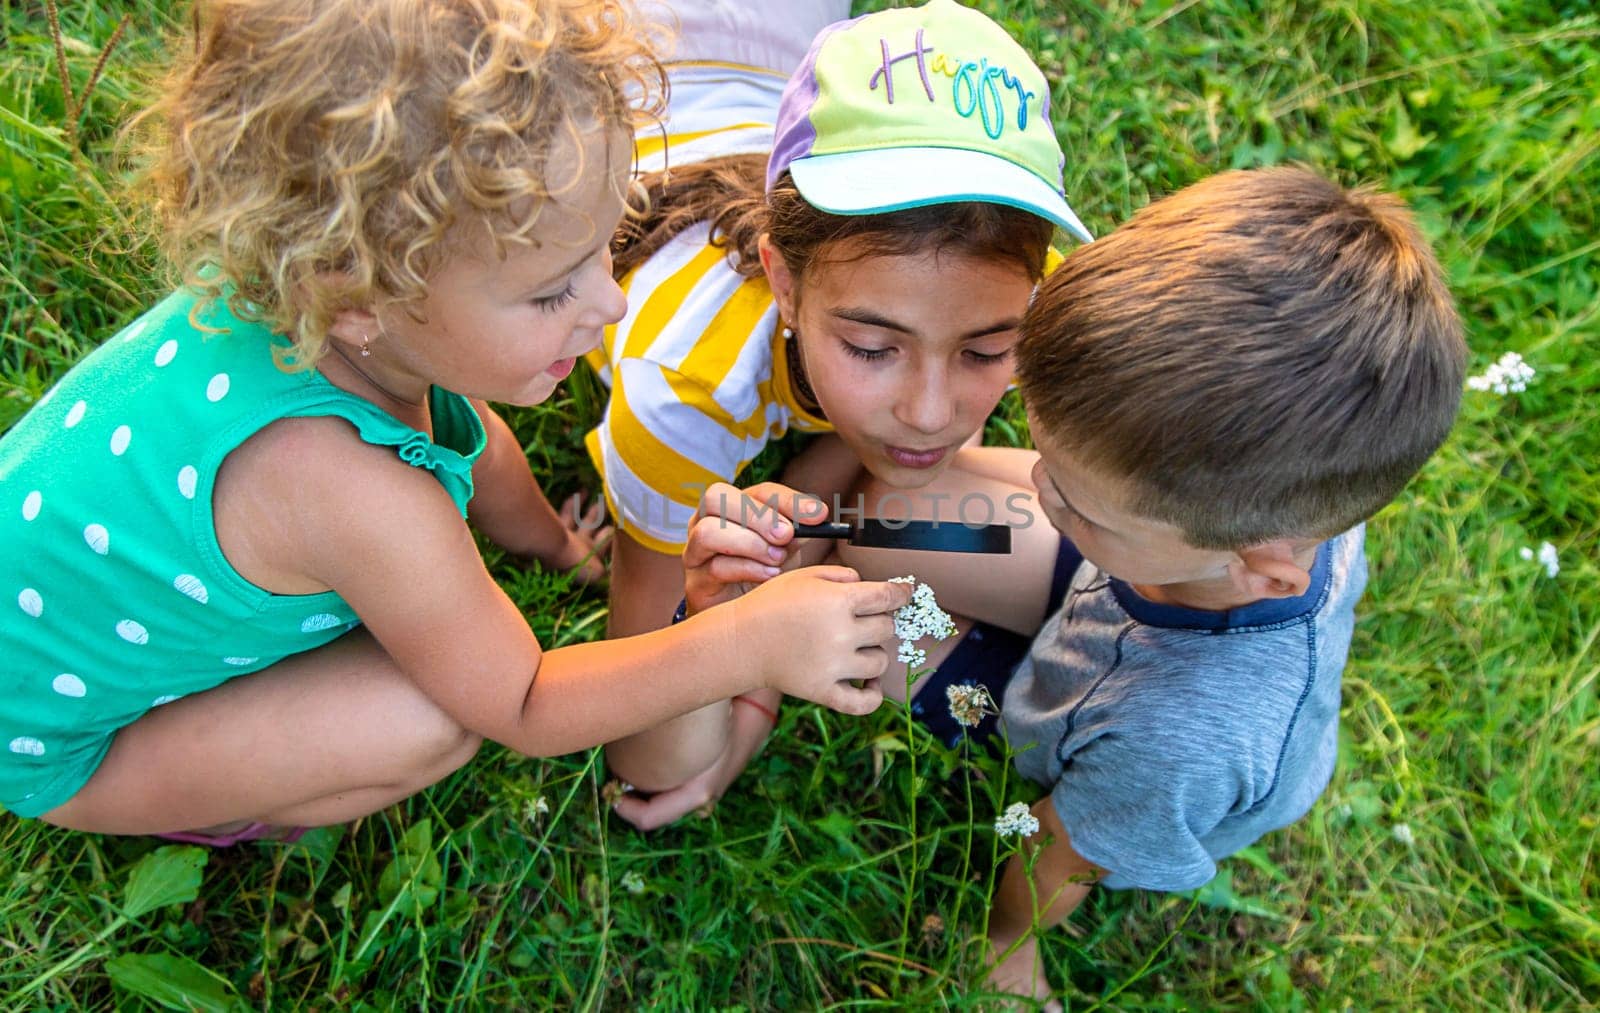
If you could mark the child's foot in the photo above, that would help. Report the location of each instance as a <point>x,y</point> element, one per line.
<point>228,834</point>
<point>1022,974</point>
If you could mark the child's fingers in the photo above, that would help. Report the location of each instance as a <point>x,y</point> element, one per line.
<point>858,701</point>
<point>800,507</point>
<point>833,572</point>
<point>659,810</point>
<point>709,538</point>
<point>874,597</point>
<point>765,509</point>
<point>569,510</point>
<point>732,570</point>
<point>876,630</point>
<point>595,514</point>
<point>872,662</point>
<point>602,540</point>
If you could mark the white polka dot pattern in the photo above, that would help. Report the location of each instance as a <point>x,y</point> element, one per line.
<point>120,438</point>
<point>27,746</point>
<point>31,602</point>
<point>217,389</point>
<point>319,622</point>
<point>31,504</point>
<point>98,537</point>
<point>166,353</point>
<point>68,684</point>
<point>187,477</point>
<point>190,585</point>
<point>75,414</point>
<point>132,632</point>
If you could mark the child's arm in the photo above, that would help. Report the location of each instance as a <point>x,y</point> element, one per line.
<point>509,507</point>
<point>1025,904</point>
<point>325,512</point>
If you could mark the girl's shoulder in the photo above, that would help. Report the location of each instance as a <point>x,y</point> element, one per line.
<point>690,309</point>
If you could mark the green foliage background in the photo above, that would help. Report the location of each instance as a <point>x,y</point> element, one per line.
<point>1451,864</point>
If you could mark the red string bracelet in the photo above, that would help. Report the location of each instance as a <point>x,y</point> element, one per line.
<point>771,714</point>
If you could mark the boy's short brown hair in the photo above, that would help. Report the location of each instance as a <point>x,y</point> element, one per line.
<point>1261,355</point>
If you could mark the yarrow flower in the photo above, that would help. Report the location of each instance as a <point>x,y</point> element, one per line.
<point>1402,833</point>
<point>632,882</point>
<point>1017,821</point>
<point>1547,558</point>
<point>969,704</point>
<point>537,808</point>
<point>919,618</point>
<point>1510,375</point>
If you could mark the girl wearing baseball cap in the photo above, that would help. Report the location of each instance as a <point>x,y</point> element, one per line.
<point>864,282</point>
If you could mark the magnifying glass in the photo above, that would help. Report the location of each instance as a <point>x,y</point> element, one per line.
<point>931,536</point>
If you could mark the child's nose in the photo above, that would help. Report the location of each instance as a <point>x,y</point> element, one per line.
<point>927,405</point>
<point>613,302</point>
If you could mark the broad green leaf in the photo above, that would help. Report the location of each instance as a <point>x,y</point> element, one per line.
<point>1404,139</point>
<point>173,981</point>
<point>415,872</point>
<point>168,875</point>
<point>1219,893</point>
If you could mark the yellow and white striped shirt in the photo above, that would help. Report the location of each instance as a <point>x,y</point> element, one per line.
<point>727,64</point>
<point>699,385</point>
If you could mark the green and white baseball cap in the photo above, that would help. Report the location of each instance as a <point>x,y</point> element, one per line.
<point>920,105</point>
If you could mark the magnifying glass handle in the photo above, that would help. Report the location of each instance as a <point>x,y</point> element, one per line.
<point>827,529</point>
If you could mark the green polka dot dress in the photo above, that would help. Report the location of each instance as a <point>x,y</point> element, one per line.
<point>114,595</point>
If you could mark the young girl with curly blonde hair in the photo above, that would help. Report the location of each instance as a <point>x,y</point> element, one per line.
<point>245,595</point>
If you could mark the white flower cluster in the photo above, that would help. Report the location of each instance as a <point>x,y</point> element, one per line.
<point>1402,833</point>
<point>969,704</point>
<point>1511,375</point>
<point>632,882</point>
<point>921,617</point>
<point>1547,558</point>
<point>1017,821</point>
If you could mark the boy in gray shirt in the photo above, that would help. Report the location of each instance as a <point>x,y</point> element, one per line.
<point>1221,392</point>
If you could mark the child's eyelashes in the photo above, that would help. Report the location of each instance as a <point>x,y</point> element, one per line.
<point>866,354</point>
<point>551,303</point>
<point>973,356</point>
<point>988,358</point>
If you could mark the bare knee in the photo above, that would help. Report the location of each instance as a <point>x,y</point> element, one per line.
<point>436,744</point>
<point>671,754</point>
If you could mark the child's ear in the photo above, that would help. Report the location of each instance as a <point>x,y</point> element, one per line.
<point>355,327</point>
<point>778,276</point>
<point>1269,570</point>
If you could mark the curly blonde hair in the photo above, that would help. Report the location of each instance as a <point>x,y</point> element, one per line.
<point>309,156</point>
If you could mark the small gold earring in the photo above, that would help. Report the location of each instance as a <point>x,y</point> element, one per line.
<point>365,341</point>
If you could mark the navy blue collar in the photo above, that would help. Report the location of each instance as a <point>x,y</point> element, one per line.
<point>1266,612</point>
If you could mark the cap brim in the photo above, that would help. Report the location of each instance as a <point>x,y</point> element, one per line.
<point>893,179</point>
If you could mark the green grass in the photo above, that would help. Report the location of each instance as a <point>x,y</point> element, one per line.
<point>1470,715</point>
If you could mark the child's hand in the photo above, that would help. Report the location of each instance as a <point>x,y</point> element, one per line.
<point>825,634</point>
<point>740,539</point>
<point>588,544</point>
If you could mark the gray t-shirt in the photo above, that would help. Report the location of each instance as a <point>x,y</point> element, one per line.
<point>1175,737</point>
